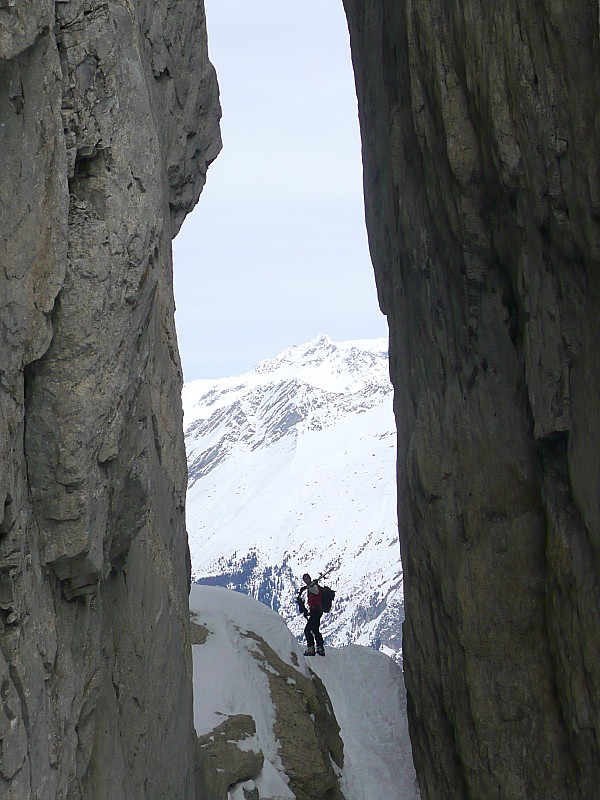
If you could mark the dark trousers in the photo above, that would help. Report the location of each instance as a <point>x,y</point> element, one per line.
<point>311,631</point>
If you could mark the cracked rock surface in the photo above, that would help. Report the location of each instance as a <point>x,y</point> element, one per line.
<point>108,121</point>
<point>480,132</point>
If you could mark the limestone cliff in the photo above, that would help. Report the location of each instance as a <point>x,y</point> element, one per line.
<point>480,125</point>
<point>108,121</point>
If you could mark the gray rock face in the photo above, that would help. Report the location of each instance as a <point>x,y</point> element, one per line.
<point>108,121</point>
<point>222,762</point>
<point>481,150</point>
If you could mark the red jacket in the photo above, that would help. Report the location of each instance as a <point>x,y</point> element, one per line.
<point>314,600</point>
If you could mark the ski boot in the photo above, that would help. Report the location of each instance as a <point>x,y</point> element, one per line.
<point>310,651</point>
<point>320,651</point>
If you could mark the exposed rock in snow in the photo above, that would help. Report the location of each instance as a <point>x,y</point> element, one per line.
<point>250,665</point>
<point>227,755</point>
<point>332,727</point>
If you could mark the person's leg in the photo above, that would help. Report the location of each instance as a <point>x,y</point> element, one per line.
<point>310,639</point>
<point>316,621</point>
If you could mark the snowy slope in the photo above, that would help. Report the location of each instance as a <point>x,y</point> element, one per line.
<point>292,469</point>
<point>365,687</point>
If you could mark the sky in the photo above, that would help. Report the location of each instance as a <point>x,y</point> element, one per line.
<point>276,251</point>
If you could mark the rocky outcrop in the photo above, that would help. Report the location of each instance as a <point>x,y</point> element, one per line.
<point>309,752</point>
<point>108,121</point>
<point>481,149</point>
<point>305,727</point>
<point>328,728</point>
<point>226,756</point>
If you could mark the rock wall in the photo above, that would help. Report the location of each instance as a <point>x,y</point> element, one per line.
<point>480,125</point>
<point>108,121</point>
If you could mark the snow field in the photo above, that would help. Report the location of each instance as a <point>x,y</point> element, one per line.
<point>367,692</point>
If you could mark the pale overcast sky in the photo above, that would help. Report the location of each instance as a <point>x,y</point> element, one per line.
<point>275,252</point>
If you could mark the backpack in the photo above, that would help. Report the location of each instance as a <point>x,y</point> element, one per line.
<point>327,596</point>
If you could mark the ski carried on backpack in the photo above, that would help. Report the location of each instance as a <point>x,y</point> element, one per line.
<point>327,594</point>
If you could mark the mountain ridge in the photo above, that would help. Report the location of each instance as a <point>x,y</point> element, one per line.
<point>291,469</point>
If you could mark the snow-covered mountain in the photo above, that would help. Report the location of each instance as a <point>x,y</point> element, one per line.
<point>292,469</point>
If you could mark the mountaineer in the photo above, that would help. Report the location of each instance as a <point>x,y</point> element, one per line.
<point>313,614</point>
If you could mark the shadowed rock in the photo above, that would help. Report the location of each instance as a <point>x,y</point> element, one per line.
<point>480,150</point>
